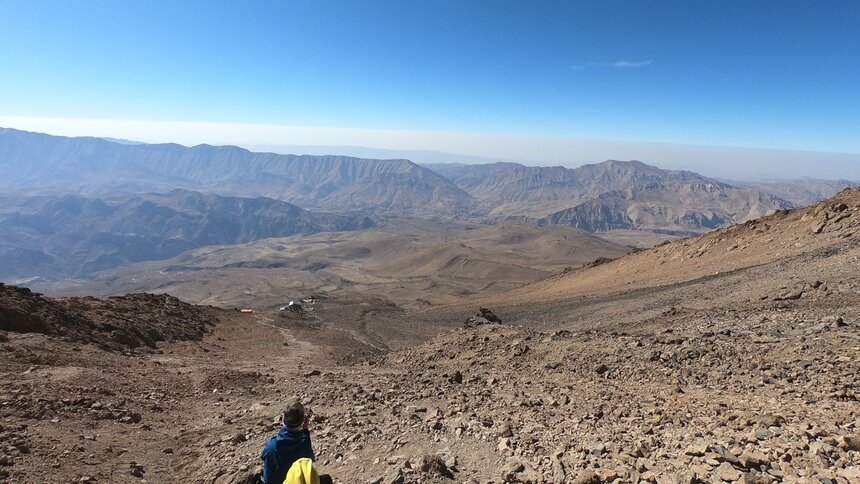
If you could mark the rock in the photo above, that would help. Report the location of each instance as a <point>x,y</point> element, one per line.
<point>435,465</point>
<point>483,317</point>
<point>395,478</point>
<point>849,442</point>
<point>375,480</point>
<point>511,468</point>
<point>312,373</point>
<point>698,449</point>
<point>505,430</point>
<point>681,477</point>
<point>752,458</point>
<point>586,477</point>
<point>488,315</point>
<point>607,475</point>
<point>770,420</point>
<point>558,471</point>
<point>602,369</point>
<point>754,479</point>
<point>394,459</point>
<point>248,477</point>
<point>726,472</point>
<point>851,475</point>
<point>137,470</point>
<point>132,418</point>
<point>724,455</point>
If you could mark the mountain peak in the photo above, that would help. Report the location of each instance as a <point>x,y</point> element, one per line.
<point>626,165</point>
<point>635,163</point>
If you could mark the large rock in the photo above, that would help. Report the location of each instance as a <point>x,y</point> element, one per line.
<point>483,316</point>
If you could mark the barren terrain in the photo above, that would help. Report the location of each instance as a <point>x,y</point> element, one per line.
<point>414,263</point>
<point>728,358</point>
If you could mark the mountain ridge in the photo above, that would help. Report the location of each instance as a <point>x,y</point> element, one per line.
<point>611,195</point>
<point>657,206</point>
<point>71,235</point>
<point>335,183</point>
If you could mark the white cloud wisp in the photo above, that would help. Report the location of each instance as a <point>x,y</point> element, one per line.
<point>619,64</point>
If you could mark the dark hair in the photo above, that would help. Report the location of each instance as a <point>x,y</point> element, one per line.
<point>294,415</point>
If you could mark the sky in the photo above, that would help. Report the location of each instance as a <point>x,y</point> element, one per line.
<point>542,81</point>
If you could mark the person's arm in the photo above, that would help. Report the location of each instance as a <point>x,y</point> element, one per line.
<point>270,463</point>
<point>310,445</point>
<point>307,433</point>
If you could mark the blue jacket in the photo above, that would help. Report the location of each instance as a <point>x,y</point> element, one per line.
<point>281,451</point>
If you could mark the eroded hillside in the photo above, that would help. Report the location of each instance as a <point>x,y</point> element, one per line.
<point>45,237</point>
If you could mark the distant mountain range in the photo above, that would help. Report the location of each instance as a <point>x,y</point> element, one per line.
<point>611,195</point>
<point>598,197</point>
<point>513,189</point>
<point>71,236</point>
<point>803,191</point>
<point>95,166</point>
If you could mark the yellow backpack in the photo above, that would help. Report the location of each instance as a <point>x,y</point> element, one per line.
<point>302,472</point>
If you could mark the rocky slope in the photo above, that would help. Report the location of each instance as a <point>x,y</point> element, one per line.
<point>97,166</point>
<point>121,322</point>
<point>53,236</point>
<point>696,397</point>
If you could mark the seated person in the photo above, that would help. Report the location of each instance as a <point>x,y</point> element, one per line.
<point>292,443</point>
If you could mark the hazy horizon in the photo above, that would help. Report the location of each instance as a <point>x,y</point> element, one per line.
<point>725,162</point>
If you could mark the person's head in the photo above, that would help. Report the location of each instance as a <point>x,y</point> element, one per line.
<point>294,415</point>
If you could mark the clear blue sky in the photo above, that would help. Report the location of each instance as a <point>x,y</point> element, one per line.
<point>778,74</point>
